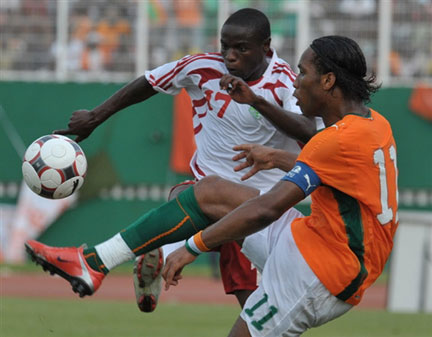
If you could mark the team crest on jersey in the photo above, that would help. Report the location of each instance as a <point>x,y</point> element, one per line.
<point>255,114</point>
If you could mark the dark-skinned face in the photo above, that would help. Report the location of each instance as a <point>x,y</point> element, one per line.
<point>308,91</point>
<point>244,54</point>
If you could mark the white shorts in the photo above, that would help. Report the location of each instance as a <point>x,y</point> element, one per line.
<point>290,299</point>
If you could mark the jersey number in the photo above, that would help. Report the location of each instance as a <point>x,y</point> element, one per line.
<point>218,97</point>
<point>224,97</point>
<point>387,213</point>
<point>258,324</point>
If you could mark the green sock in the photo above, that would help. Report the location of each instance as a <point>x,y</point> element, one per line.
<point>94,260</point>
<point>174,221</point>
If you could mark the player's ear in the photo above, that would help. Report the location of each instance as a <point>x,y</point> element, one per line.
<point>328,80</point>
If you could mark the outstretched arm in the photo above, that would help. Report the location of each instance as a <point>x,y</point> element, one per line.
<point>294,125</point>
<point>83,122</point>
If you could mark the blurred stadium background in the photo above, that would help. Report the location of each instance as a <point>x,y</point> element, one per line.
<point>115,40</point>
<point>59,56</point>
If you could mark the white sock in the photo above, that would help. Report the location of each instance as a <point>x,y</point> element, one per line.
<point>114,252</point>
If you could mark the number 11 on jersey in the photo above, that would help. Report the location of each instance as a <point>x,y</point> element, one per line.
<point>386,214</point>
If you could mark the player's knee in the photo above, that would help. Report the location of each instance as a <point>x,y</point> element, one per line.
<point>217,196</point>
<point>210,193</point>
<point>211,181</point>
<point>211,188</point>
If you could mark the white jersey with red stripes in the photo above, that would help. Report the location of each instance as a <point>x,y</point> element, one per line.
<point>220,122</point>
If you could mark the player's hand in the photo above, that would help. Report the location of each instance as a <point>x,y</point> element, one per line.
<point>174,265</point>
<point>258,157</point>
<point>238,89</point>
<point>80,124</point>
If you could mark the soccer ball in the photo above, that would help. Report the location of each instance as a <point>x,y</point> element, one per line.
<point>54,166</point>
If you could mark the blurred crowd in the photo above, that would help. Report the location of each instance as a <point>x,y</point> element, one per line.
<point>102,34</point>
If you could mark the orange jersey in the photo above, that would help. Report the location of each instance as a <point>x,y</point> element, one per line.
<point>348,237</point>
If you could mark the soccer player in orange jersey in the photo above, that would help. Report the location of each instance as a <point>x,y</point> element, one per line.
<point>313,268</point>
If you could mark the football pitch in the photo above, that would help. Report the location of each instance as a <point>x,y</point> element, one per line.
<point>53,317</point>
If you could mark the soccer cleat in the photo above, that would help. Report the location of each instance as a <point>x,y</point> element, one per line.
<point>68,263</point>
<point>147,275</point>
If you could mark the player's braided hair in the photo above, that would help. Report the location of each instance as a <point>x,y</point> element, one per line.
<point>252,18</point>
<point>343,57</point>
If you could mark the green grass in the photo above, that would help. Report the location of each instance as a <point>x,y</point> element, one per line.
<point>373,323</point>
<point>75,318</point>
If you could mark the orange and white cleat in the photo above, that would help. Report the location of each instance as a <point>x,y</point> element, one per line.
<point>67,262</point>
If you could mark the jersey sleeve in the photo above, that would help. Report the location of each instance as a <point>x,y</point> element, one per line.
<point>170,78</point>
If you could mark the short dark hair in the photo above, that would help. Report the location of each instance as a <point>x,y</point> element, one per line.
<point>252,18</point>
<point>343,57</point>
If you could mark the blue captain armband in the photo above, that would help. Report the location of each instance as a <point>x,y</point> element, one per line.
<point>304,177</point>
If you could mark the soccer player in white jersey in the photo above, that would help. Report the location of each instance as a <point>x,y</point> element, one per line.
<point>221,121</point>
